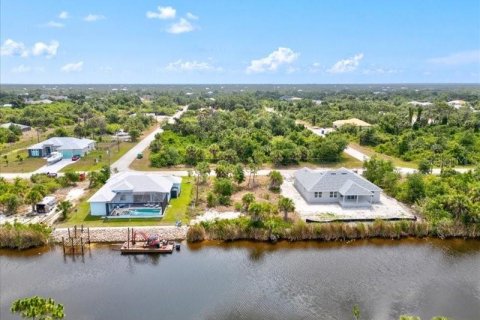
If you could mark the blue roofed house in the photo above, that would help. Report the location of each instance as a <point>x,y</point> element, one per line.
<point>131,191</point>
<point>341,186</point>
<point>67,146</point>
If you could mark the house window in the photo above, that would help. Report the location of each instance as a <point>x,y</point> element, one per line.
<point>351,197</point>
<point>318,194</point>
<point>122,197</point>
<point>333,194</point>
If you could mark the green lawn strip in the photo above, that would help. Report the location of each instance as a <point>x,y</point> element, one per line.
<point>15,166</point>
<point>99,157</point>
<point>177,210</point>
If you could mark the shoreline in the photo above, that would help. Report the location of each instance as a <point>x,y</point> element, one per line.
<point>119,234</point>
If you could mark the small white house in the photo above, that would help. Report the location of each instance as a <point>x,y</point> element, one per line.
<point>340,186</point>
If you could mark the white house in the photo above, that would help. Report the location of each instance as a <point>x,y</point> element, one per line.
<point>340,186</point>
<point>67,146</point>
<point>135,191</point>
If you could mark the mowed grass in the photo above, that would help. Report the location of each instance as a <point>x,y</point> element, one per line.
<point>177,210</point>
<point>98,158</point>
<point>13,165</point>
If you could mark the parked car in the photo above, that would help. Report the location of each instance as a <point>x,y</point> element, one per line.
<point>51,174</point>
<point>75,157</point>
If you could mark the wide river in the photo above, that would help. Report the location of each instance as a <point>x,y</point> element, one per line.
<point>244,280</point>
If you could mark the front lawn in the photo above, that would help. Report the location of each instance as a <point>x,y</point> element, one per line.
<point>12,164</point>
<point>96,159</point>
<point>177,210</point>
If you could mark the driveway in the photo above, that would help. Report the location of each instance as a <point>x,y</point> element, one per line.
<point>56,167</point>
<point>124,162</point>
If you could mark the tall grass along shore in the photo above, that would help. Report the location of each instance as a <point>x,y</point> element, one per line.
<point>244,229</point>
<point>23,236</point>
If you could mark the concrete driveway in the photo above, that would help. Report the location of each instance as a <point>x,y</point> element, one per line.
<point>56,167</point>
<point>124,162</point>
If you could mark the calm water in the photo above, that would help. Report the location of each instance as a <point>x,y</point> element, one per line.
<point>255,281</point>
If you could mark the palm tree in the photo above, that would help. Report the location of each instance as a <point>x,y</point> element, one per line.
<point>286,205</point>
<point>33,197</point>
<point>276,180</point>
<point>65,207</point>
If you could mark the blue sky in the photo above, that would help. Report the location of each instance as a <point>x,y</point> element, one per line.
<point>268,41</point>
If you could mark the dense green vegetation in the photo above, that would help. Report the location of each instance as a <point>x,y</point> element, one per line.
<point>242,136</point>
<point>23,236</point>
<point>437,133</point>
<point>448,197</point>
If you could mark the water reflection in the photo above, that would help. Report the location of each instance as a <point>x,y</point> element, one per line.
<point>246,280</point>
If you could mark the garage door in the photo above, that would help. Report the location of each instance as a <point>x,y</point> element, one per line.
<point>67,154</point>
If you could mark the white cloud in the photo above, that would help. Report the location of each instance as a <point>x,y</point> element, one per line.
<point>163,13</point>
<point>347,65</point>
<point>94,17</point>
<point>194,65</point>
<point>191,16</point>
<point>13,48</point>
<point>54,24</point>
<point>63,15</point>
<point>274,60</point>
<point>21,69</point>
<point>459,58</point>
<point>379,71</point>
<point>73,67</point>
<point>181,26</point>
<point>43,49</point>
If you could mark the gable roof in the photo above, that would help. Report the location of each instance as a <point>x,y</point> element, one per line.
<point>342,180</point>
<point>64,143</point>
<point>133,182</point>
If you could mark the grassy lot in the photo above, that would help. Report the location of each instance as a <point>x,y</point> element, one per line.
<point>96,159</point>
<point>397,162</point>
<point>144,163</point>
<point>177,210</point>
<point>27,139</point>
<point>16,166</point>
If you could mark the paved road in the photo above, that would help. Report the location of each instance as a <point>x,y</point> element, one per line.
<point>357,154</point>
<point>124,162</point>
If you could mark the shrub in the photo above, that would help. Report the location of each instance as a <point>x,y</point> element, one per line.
<point>211,200</point>
<point>196,233</point>
<point>23,236</point>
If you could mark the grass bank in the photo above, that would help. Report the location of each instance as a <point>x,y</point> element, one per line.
<point>276,229</point>
<point>23,236</point>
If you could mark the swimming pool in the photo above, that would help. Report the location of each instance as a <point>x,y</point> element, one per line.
<point>139,213</point>
<point>145,211</point>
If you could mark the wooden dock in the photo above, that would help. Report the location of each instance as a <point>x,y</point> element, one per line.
<point>141,247</point>
<point>78,239</point>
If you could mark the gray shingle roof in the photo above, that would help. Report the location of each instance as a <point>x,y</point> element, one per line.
<point>334,180</point>
<point>64,143</point>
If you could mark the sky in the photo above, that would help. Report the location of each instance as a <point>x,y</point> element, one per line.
<point>247,41</point>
